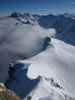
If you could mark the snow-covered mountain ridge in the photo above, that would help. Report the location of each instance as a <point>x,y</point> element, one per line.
<point>37,55</point>
<point>56,62</point>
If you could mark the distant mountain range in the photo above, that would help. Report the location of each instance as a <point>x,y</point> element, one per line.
<point>64,24</point>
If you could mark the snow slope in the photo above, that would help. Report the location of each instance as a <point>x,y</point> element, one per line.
<point>57,62</point>
<point>45,92</point>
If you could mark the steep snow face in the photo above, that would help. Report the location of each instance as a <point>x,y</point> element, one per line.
<point>44,92</point>
<point>56,62</point>
<point>21,84</point>
<point>36,89</point>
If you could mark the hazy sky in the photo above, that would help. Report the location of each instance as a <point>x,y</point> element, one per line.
<point>38,6</point>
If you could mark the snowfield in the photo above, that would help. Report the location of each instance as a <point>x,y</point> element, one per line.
<point>56,62</point>
<point>44,65</point>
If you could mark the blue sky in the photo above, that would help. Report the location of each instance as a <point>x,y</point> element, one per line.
<point>38,6</point>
